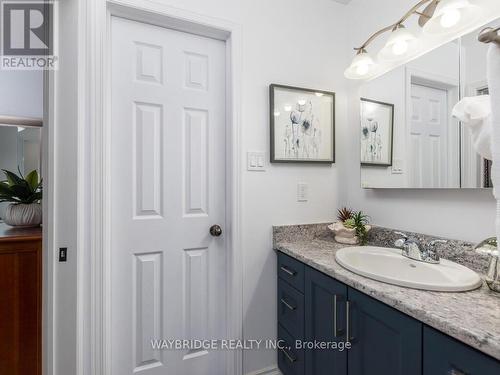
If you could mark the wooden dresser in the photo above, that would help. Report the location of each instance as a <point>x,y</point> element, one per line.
<point>20,301</point>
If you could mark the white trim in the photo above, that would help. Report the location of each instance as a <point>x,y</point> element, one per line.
<point>273,370</point>
<point>48,231</point>
<point>93,310</point>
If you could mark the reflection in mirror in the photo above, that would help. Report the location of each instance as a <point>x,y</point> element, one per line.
<point>430,148</point>
<point>20,147</point>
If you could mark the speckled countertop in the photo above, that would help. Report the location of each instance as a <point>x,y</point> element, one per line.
<point>471,317</point>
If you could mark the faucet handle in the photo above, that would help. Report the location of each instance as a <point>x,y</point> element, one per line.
<point>400,242</point>
<point>404,235</point>
<point>434,242</point>
<point>430,251</point>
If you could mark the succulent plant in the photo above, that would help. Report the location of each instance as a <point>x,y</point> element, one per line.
<point>360,222</point>
<point>349,223</point>
<point>19,189</point>
<point>344,214</point>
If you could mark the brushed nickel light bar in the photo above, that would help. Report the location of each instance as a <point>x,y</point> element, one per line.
<point>424,17</point>
<point>490,35</point>
<point>439,17</point>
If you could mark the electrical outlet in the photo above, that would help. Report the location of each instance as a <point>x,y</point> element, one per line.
<point>397,166</point>
<point>302,192</point>
<point>63,254</point>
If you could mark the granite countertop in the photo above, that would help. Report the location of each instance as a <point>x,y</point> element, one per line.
<point>471,317</point>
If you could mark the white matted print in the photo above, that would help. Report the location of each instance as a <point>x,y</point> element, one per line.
<point>302,125</point>
<point>377,122</point>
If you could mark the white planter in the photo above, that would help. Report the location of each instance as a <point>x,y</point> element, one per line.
<point>24,215</point>
<point>346,236</point>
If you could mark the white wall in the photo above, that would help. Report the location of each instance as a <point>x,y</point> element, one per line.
<point>460,214</point>
<point>294,42</point>
<point>21,93</point>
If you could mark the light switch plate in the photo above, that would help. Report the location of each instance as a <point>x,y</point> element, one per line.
<point>256,161</point>
<point>302,192</point>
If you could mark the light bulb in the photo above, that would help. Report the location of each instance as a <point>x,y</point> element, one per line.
<point>401,44</point>
<point>277,113</point>
<point>362,69</point>
<point>450,18</point>
<point>301,102</point>
<point>362,65</point>
<point>287,107</point>
<point>400,48</point>
<point>319,94</point>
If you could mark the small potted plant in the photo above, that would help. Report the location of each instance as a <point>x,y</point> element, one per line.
<point>24,195</point>
<point>351,228</point>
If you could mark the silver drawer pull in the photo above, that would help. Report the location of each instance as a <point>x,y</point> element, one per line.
<point>336,332</point>
<point>348,323</point>
<point>290,272</point>
<point>287,355</point>
<point>288,305</point>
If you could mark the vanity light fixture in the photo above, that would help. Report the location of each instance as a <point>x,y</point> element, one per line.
<point>451,16</point>
<point>439,17</point>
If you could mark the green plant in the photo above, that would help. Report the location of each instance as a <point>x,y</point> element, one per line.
<point>344,214</point>
<point>18,189</point>
<point>349,223</point>
<point>360,222</point>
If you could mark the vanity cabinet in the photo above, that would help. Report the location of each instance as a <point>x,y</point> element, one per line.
<point>384,340</point>
<point>447,356</point>
<point>314,307</point>
<point>325,315</point>
<point>291,317</point>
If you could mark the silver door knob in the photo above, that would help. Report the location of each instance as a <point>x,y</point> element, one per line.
<point>215,230</point>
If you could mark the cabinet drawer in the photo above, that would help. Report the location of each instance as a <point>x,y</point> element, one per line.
<point>291,309</point>
<point>290,360</point>
<point>444,355</point>
<point>292,271</point>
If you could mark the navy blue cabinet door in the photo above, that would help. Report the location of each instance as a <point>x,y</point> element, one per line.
<point>444,355</point>
<point>384,341</point>
<point>325,301</point>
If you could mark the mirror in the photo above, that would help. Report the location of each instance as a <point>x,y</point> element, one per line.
<point>408,136</point>
<point>19,147</point>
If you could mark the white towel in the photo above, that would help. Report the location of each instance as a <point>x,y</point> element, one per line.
<point>475,114</point>
<point>494,87</point>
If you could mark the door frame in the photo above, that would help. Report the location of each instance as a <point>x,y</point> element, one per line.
<point>94,282</point>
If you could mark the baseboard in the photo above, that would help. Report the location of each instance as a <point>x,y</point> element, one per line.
<point>273,370</point>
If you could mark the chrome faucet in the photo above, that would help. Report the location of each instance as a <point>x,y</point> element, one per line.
<point>412,249</point>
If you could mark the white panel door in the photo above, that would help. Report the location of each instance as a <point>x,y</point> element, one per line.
<point>168,188</point>
<point>428,137</point>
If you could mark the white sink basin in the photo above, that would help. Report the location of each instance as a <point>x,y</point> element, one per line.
<point>389,266</point>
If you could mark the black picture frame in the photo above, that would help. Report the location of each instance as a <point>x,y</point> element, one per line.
<point>391,141</point>
<point>272,92</point>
